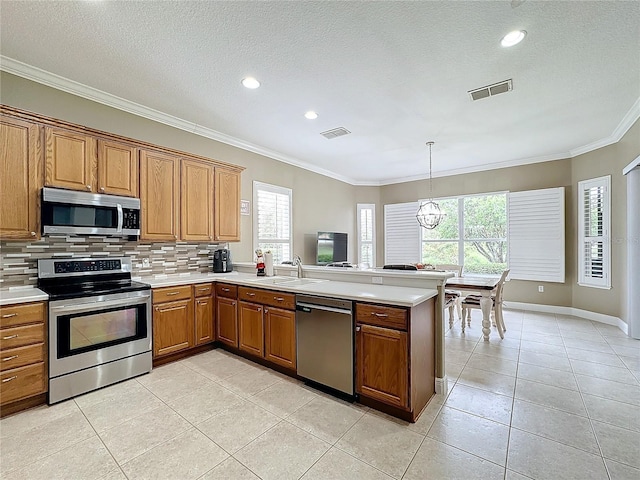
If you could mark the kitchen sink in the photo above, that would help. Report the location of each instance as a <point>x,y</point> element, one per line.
<point>287,281</point>
<point>302,281</point>
<point>273,280</point>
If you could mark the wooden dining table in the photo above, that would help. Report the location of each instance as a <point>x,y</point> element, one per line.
<point>485,287</point>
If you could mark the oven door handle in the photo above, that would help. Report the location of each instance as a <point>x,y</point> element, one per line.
<point>123,302</point>
<point>120,218</point>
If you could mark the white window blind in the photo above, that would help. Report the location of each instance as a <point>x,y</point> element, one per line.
<point>536,235</point>
<point>366,234</point>
<point>594,224</point>
<point>272,229</point>
<point>401,233</point>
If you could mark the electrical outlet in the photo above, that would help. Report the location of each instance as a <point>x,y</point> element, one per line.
<point>540,288</point>
<point>377,280</point>
<point>145,263</point>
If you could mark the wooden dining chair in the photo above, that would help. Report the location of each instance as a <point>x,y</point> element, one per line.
<point>473,301</point>
<point>452,297</point>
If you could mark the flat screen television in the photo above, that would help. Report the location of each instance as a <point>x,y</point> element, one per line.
<point>332,247</point>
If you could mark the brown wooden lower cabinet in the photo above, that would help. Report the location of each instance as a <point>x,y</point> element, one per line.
<point>227,321</point>
<point>395,357</point>
<point>23,372</point>
<point>205,332</point>
<point>251,328</point>
<point>280,336</point>
<point>172,327</point>
<point>382,364</point>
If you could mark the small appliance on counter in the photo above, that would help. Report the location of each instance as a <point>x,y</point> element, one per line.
<point>222,261</point>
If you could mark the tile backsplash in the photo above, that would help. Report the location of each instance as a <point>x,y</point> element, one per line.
<point>19,260</point>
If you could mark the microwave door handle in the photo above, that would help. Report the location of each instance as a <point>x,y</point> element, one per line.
<point>120,218</point>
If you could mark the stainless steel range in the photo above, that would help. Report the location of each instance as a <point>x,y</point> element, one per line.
<point>99,324</point>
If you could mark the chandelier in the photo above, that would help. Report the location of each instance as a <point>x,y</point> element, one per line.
<point>430,214</point>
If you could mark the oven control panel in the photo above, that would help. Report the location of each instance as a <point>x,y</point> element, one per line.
<point>72,266</point>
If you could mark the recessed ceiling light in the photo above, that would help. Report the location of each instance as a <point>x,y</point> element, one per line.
<point>250,82</point>
<point>513,38</point>
<point>311,115</point>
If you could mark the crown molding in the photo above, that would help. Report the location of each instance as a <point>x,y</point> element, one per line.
<point>44,77</point>
<point>58,82</point>
<point>623,127</point>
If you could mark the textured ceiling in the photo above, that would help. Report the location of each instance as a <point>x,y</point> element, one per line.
<point>396,74</point>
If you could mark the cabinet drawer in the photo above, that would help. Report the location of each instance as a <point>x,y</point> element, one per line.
<point>21,336</point>
<point>202,289</point>
<point>14,315</point>
<point>381,316</point>
<point>22,382</point>
<point>21,356</point>
<point>226,290</point>
<point>169,294</point>
<point>268,297</point>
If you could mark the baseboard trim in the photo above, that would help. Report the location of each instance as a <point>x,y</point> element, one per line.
<point>576,312</point>
<point>442,386</point>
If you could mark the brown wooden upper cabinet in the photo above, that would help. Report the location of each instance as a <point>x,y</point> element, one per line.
<point>20,178</point>
<point>77,161</point>
<point>196,201</point>
<point>70,160</point>
<point>159,196</point>
<point>227,205</point>
<point>117,168</point>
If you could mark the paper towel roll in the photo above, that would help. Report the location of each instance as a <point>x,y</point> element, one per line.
<point>268,264</point>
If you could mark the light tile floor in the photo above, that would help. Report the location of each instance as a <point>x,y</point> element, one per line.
<point>558,398</point>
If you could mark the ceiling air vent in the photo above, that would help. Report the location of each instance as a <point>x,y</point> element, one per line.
<point>335,132</point>
<point>491,90</point>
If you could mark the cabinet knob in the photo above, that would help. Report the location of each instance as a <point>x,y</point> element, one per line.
<point>175,237</point>
<point>357,329</point>
<point>102,189</point>
<point>266,310</point>
<point>259,309</point>
<point>33,234</point>
<point>89,187</point>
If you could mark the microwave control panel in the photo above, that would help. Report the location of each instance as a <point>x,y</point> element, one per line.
<point>130,218</point>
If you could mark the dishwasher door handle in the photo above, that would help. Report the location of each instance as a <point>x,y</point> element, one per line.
<point>308,307</point>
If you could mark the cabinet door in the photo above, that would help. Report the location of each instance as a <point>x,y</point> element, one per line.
<point>20,178</point>
<point>227,321</point>
<point>204,320</point>
<point>251,328</point>
<point>280,337</point>
<point>159,196</point>
<point>381,365</point>
<point>172,327</point>
<point>70,160</point>
<point>196,201</point>
<point>117,168</point>
<point>227,215</point>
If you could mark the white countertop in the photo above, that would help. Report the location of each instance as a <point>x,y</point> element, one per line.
<point>401,296</point>
<point>388,294</point>
<point>22,295</point>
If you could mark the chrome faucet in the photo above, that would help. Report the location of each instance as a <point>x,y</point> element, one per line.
<point>298,261</point>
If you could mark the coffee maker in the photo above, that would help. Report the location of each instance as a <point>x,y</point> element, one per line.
<point>222,261</point>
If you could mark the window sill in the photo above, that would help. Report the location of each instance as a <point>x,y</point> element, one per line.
<point>601,287</point>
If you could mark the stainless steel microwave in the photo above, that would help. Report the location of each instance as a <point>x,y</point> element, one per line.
<point>66,211</point>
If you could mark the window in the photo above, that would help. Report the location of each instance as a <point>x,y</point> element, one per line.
<point>366,234</point>
<point>594,222</point>
<point>473,234</point>
<point>272,221</point>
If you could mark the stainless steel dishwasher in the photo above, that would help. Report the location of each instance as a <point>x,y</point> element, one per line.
<point>324,329</point>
